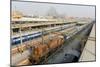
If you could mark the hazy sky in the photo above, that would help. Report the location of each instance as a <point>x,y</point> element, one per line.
<point>31,8</point>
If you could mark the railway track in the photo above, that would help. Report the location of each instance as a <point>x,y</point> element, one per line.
<point>45,39</point>
<point>69,52</point>
<point>59,48</point>
<point>25,38</point>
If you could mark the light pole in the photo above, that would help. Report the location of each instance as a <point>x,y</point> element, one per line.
<point>49,33</point>
<point>42,35</point>
<point>20,37</point>
<point>20,34</point>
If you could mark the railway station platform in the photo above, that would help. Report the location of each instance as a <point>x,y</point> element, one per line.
<point>89,51</point>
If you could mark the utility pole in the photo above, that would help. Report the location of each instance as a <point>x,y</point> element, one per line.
<point>49,33</point>
<point>20,34</point>
<point>20,37</point>
<point>42,35</point>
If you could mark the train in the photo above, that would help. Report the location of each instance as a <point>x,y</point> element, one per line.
<point>16,40</point>
<point>41,51</point>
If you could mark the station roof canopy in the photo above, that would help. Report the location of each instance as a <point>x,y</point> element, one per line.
<point>33,19</point>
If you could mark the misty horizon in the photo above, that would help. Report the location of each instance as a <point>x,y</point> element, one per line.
<point>33,8</point>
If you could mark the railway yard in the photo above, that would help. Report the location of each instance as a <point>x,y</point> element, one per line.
<point>48,41</point>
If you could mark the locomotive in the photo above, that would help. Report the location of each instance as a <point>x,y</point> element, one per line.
<point>40,51</point>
